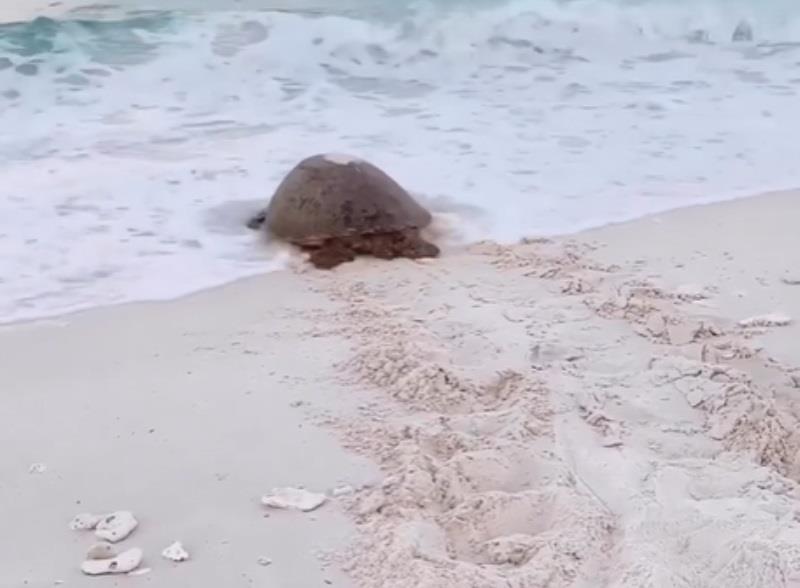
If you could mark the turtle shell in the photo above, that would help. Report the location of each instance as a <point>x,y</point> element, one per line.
<point>327,196</point>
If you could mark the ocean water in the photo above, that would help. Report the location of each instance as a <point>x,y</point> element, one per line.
<point>135,138</point>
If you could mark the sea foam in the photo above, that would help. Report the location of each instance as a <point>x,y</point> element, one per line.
<point>134,145</point>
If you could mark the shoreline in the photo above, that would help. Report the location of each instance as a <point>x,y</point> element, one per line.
<point>579,411</point>
<point>295,259</point>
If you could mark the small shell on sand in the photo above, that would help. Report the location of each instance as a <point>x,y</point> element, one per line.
<point>116,526</point>
<point>692,292</point>
<point>774,319</point>
<point>37,468</point>
<point>122,564</point>
<point>84,521</point>
<point>342,491</point>
<point>293,498</point>
<point>175,552</point>
<point>101,550</point>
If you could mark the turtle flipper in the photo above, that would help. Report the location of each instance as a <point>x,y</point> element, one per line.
<point>331,253</point>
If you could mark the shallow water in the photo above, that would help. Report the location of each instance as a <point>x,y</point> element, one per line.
<point>137,137</point>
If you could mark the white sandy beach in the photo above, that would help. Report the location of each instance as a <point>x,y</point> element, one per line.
<point>580,412</point>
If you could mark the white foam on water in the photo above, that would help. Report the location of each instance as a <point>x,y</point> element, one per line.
<point>123,141</point>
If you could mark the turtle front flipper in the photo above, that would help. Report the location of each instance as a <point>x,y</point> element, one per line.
<point>415,247</point>
<point>404,243</point>
<point>331,253</point>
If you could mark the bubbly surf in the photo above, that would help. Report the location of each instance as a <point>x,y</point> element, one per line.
<point>135,142</point>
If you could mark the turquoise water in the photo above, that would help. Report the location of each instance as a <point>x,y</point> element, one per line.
<point>138,136</point>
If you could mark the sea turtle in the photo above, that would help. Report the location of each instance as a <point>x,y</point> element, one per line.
<point>337,207</point>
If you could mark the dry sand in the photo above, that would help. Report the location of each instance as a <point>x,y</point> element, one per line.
<point>615,408</point>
